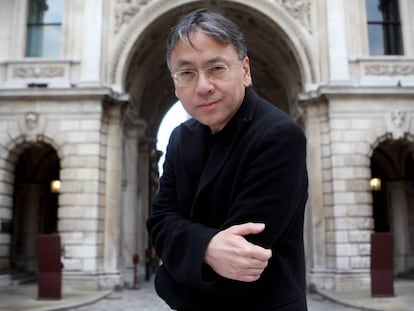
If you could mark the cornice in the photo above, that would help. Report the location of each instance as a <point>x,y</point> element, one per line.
<point>336,91</point>
<point>59,93</point>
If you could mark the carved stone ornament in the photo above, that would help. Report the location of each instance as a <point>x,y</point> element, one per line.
<point>389,70</point>
<point>31,121</point>
<point>38,72</point>
<point>125,10</point>
<point>299,10</point>
<point>397,123</point>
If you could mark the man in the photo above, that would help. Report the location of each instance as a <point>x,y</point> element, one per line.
<point>227,221</point>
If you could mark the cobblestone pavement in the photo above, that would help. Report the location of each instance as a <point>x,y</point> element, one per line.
<point>145,299</point>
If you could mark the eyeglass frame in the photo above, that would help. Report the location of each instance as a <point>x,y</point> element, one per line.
<point>205,72</point>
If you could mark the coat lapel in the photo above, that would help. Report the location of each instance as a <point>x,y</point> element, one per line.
<point>226,141</point>
<point>194,148</point>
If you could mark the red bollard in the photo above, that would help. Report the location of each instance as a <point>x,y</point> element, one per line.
<point>49,266</point>
<point>135,260</point>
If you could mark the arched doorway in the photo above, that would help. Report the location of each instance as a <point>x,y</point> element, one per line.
<point>278,71</point>
<point>35,206</point>
<point>393,210</point>
<point>280,59</point>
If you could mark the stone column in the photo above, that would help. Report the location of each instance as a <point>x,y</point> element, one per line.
<point>131,209</point>
<point>14,17</point>
<point>142,193</point>
<point>129,195</point>
<point>398,211</point>
<point>90,70</point>
<point>315,219</point>
<point>144,190</point>
<point>406,14</point>
<point>337,42</point>
<point>112,221</point>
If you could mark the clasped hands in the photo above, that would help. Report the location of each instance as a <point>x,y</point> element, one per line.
<point>230,255</point>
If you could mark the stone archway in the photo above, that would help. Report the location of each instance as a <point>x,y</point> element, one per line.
<point>35,207</point>
<point>392,162</point>
<point>282,64</point>
<point>278,39</point>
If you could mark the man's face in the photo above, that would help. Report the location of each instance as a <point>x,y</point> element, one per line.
<point>211,101</point>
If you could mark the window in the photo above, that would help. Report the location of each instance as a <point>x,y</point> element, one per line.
<point>44,28</point>
<point>384,27</point>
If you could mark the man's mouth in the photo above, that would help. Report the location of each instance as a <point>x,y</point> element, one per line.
<point>208,104</point>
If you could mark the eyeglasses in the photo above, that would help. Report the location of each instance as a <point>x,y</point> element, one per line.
<point>188,77</point>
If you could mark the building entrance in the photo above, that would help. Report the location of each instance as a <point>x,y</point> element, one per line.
<point>392,165</point>
<point>35,204</point>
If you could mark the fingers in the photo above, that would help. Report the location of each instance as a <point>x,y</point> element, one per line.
<point>249,276</point>
<point>249,271</point>
<point>260,253</point>
<point>230,255</point>
<point>252,263</point>
<point>247,228</point>
<point>252,250</point>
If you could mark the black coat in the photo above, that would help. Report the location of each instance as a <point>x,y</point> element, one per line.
<point>253,171</point>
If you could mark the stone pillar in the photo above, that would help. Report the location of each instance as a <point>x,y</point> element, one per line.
<point>131,207</point>
<point>112,221</point>
<point>142,193</point>
<point>144,190</point>
<point>90,71</point>
<point>14,17</point>
<point>6,19</point>
<point>315,218</point>
<point>406,14</point>
<point>398,210</point>
<point>337,42</point>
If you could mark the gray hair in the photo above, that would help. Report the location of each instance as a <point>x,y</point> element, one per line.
<point>213,24</point>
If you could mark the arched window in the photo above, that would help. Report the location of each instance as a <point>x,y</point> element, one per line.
<point>44,25</point>
<point>384,27</point>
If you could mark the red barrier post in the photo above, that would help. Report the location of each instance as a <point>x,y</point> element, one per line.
<point>382,271</point>
<point>49,266</point>
<point>135,260</point>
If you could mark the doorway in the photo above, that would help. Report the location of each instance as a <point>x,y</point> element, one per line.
<point>392,163</point>
<point>35,206</point>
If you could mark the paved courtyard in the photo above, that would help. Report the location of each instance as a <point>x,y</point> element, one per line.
<point>145,299</point>
<point>24,297</point>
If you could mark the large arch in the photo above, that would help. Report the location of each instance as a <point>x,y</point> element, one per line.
<point>279,50</point>
<point>281,59</point>
<point>392,161</point>
<point>28,206</point>
<point>35,206</point>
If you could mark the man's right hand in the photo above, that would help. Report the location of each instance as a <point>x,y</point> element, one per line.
<point>230,255</point>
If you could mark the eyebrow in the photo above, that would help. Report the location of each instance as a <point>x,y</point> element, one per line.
<point>211,61</point>
<point>215,60</point>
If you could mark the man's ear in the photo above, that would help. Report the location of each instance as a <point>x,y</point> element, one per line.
<point>247,78</point>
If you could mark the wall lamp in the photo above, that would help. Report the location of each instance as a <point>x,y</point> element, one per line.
<point>55,186</point>
<point>375,184</point>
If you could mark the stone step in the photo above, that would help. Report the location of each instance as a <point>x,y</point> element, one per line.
<point>21,277</point>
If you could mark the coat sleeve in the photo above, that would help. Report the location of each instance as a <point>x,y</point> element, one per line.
<point>178,241</point>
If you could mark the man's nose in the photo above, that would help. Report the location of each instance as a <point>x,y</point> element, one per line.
<point>203,83</point>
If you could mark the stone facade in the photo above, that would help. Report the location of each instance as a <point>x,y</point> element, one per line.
<point>97,107</point>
